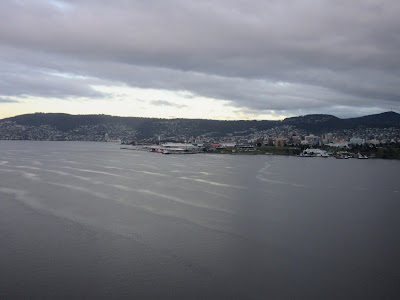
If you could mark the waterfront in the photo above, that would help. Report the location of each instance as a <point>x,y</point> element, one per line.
<point>91,220</point>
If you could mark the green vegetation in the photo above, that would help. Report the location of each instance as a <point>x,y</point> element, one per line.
<point>385,151</point>
<point>388,153</point>
<point>278,150</point>
<point>261,150</point>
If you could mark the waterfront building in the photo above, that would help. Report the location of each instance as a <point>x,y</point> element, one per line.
<point>315,152</point>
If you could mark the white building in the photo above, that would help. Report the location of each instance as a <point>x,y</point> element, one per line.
<point>179,145</point>
<point>339,144</point>
<point>315,152</point>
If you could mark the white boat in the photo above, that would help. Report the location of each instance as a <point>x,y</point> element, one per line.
<point>304,155</point>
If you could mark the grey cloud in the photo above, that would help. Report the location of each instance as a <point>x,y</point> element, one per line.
<point>332,55</point>
<point>167,103</point>
<point>22,80</point>
<point>5,100</point>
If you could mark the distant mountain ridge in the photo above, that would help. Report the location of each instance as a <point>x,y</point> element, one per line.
<point>66,122</point>
<point>320,123</point>
<point>150,127</point>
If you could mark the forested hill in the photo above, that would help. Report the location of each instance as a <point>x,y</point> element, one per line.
<point>66,122</point>
<point>149,127</point>
<point>145,127</point>
<point>322,123</point>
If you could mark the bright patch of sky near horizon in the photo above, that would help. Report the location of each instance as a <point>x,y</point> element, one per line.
<point>221,59</point>
<point>136,102</point>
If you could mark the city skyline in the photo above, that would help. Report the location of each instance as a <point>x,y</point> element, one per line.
<point>210,59</point>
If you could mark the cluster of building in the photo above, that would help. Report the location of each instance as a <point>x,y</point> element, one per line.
<point>284,135</point>
<point>288,136</point>
<point>340,139</point>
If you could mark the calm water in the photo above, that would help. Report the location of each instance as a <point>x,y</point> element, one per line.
<point>89,220</point>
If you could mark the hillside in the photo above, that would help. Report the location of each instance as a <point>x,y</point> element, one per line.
<point>65,122</point>
<point>144,127</point>
<point>323,123</point>
<point>386,119</point>
<point>93,127</point>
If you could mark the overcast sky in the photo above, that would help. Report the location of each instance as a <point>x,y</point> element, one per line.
<point>220,59</point>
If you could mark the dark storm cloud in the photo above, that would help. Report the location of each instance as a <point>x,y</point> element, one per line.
<point>285,56</point>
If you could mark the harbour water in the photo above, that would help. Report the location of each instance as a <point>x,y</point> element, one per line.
<point>89,220</point>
